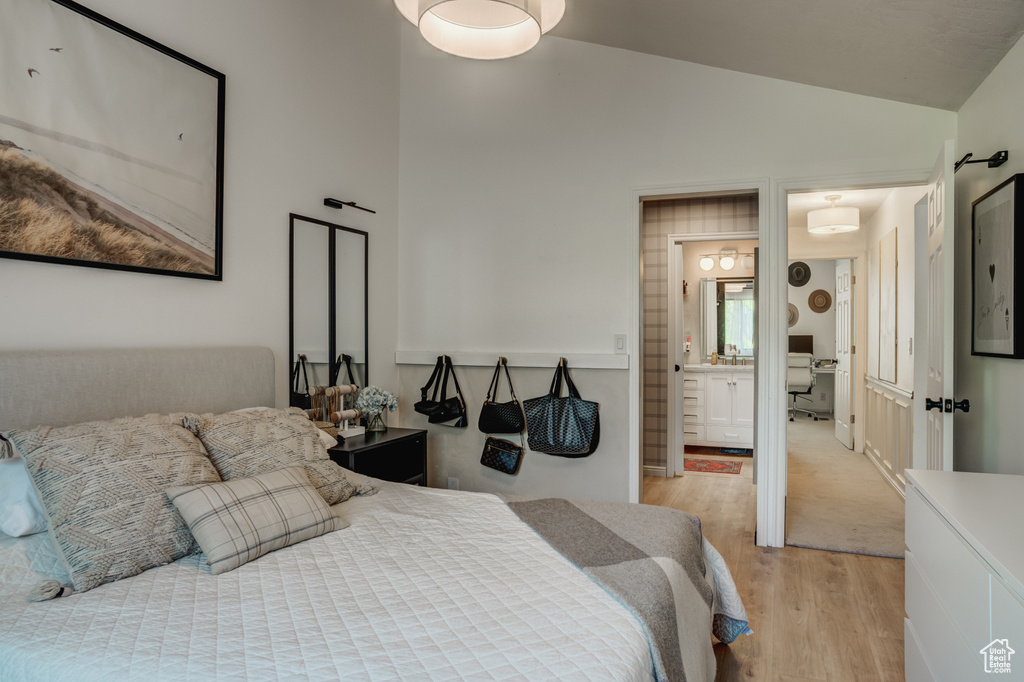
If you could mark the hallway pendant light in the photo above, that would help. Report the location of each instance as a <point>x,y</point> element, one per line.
<point>834,219</point>
<point>483,29</point>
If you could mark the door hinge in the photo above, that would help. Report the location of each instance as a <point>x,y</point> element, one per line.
<point>853,419</point>
<point>853,350</point>
<point>853,279</point>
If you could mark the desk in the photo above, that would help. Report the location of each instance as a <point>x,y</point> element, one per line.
<point>824,384</point>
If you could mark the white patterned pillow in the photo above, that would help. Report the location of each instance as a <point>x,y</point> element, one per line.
<point>101,485</point>
<point>237,521</point>
<point>243,444</point>
<point>20,511</point>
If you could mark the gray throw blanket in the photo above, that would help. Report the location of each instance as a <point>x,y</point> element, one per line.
<point>651,559</point>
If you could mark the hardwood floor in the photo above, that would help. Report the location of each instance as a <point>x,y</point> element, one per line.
<point>816,615</point>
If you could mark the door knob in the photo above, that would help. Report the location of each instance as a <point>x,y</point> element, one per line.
<point>930,404</point>
<point>964,405</point>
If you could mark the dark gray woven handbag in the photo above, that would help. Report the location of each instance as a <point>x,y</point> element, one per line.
<point>498,417</point>
<point>569,427</point>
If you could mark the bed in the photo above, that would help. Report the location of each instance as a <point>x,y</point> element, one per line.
<point>421,584</point>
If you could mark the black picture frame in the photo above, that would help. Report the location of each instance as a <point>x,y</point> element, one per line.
<point>140,153</point>
<point>997,327</point>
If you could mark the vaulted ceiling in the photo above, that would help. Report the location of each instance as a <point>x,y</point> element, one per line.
<point>928,52</point>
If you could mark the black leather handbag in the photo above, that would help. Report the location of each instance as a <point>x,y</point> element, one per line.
<point>429,407</point>
<point>452,411</point>
<point>502,455</point>
<point>570,426</point>
<point>300,397</point>
<point>498,417</point>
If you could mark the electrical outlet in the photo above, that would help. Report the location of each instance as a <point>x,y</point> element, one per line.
<point>824,396</point>
<point>453,483</point>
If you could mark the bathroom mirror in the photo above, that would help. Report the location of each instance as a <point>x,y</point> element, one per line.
<point>329,295</point>
<point>727,315</point>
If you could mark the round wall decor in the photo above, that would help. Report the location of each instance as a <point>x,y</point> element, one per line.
<point>799,273</point>
<point>794,315</point>
<point>819,300</point>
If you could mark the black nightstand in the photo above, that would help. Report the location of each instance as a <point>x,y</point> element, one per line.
<point>394,455</point>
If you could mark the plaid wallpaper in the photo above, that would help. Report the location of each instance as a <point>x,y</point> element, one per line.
<point>660,219</point>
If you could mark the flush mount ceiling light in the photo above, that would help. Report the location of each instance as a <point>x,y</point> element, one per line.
<point>706,263</point>
<point>483,29</point>
<point>834,219</point>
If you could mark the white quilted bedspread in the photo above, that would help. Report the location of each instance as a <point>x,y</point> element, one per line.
<point>421,586</point>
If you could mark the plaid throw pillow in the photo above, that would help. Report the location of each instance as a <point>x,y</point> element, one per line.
<point>237,521</point>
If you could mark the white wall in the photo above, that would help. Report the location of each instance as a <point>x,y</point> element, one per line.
<point>897,212</point>
<point>988,438</point>
<point>822,326</point>
<point>516,177</point>
<point>312,111</point>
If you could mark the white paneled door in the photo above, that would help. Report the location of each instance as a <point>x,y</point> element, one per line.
<point>933,330</point>
<point>844,352</point>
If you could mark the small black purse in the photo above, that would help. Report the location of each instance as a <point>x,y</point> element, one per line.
<point>498,417</point>
<point>429,407</point>
<point>452,411</point>
<point>300,398</point>
<point>502,455</point>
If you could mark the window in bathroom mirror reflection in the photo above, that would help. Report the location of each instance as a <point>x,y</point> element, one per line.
<point>727,320</point>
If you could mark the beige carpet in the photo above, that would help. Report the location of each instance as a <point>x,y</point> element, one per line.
<point>837,500</point>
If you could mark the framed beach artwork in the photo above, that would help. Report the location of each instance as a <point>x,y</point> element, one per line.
<point>111,145</point>
<point>996,329</point>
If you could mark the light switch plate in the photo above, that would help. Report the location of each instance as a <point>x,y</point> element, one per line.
<point>620,344</point>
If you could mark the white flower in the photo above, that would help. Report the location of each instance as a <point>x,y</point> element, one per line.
<point>373,400</point>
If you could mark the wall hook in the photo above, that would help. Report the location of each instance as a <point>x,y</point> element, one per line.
<point>338,203</point>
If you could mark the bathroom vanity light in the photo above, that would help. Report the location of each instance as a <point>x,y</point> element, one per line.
<point>483,29</point>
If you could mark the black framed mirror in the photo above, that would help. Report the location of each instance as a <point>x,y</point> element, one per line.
<point>727,315</point>
<point>328,284</point>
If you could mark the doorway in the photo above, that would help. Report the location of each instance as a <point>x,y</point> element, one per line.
<point>718,213</point>
<point>711,349</point>
<point>851,323</point>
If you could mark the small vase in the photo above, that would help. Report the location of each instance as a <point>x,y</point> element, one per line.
<point>376,423</point>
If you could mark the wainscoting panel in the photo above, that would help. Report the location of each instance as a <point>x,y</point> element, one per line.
<point>888,430</point>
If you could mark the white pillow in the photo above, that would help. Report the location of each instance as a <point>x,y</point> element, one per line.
<point>20,511</point>
<point>326,438</point>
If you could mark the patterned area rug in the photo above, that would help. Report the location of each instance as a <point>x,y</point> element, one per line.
<point>713,466</point>
<point>705,450</point>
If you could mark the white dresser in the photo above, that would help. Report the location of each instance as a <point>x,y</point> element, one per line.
<point>964,576</point>
<point>718,405</point>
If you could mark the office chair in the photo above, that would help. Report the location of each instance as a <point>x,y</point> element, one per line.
<point>800,380</point>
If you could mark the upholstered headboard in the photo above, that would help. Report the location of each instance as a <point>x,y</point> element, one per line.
<point>68,387</point>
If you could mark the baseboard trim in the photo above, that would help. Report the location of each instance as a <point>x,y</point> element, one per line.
<point>655,471</point>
